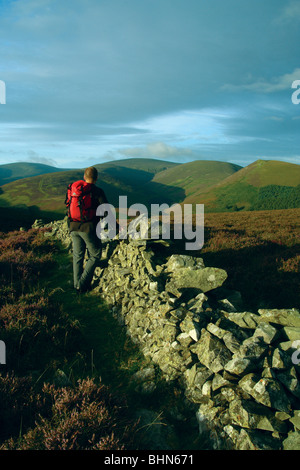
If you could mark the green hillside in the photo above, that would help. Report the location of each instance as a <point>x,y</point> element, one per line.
<point>221,186</point>
<point>263,185</point>
<point>43,196</point>
<point>196,177</point>
<point>15,171</point>
<point>133,176</point>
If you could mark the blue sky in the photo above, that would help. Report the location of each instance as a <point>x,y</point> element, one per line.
<point>90,81</point>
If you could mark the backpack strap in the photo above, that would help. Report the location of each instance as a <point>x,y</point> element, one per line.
<point>80,202</point>
<point>68,200</point>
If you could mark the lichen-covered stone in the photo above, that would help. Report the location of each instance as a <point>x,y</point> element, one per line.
<point>266,331</point>
<point>211,352</point>
<point>204,279</point>
<point>292,442</point>
<point>285,317</point>
<point>266,391</point>
<point>239,365</point>
<point>251,415</point>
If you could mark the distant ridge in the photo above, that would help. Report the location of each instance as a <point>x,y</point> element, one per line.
<point>46,192</point>
<point>19,170</point>
<point>220,186</point>
<point>150,165</point>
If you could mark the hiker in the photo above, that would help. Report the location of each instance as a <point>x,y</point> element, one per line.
<point>82,200</point>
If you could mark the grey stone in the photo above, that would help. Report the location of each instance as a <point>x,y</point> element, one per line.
<point>196,304</point>
<point>292,442</point>
<point>197,375</point>
<point>295,420</point>
<point>285,317</point>
<point>204,279</point>
<point>266,331</point>
<point>211,352</point>
<point>253,348</point>
<point>291,381</point>
<point>292,333</point>
<point>218,382</point>
<point>216,330</point>
<point>190,325</point>
<point>244,319</point>
<point>176,262</point>
<point>239,365</point>
<point>266,391</point>
<point>251,415</point>
<point>256,440</point>
<point>231,342</point>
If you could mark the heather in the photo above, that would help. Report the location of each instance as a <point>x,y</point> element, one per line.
<point>85,417</point>
<point>44,402</point>
<point>260,251</point>
<point>23,256</point>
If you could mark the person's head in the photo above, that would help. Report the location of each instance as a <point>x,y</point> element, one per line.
<point>91,174</point>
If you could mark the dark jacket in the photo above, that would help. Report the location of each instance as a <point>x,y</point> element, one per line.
<point>99,197</point>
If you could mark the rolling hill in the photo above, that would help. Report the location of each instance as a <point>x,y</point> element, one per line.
<point>221,186</point>
<point>147,165</point>
<point>15,171</point>
<point>262,185</point>
<point>43,196</point>
<point>195,177</point>
<point>145,181</point>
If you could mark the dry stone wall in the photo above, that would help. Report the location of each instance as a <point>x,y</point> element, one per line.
<point>240,368</point>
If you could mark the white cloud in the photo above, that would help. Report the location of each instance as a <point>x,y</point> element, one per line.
<point>157,150</point>
<point>34,157</point>
<point>277,84</point>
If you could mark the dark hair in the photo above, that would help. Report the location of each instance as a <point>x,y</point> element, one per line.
<point>91,173</point>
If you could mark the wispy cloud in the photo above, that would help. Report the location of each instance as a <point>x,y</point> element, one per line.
<point>33,157</point>
<point>277,84</point>
<point>158,150</point>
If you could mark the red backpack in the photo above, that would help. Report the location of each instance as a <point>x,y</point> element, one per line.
<point>79,202</point>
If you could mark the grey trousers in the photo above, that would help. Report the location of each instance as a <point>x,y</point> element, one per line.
<point>81,242</point>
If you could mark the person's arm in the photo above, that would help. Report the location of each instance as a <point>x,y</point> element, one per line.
<point>102,199</point>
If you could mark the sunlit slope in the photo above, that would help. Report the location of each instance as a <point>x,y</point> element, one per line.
<point>195,177</point>
<point>265,184</point>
